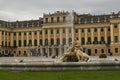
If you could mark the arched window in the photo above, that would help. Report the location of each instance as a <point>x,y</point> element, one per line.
<point>52,41</point>
<point>58,41</point>
<point>64,41</point>
<point>46,41</point>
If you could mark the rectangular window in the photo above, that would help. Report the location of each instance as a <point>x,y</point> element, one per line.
<point>76,30</point>
<point>96,51</point>
<point>102,50</point>
<point>102,29</point>
<point>46,20</point>
<point>57,31</point>
<point>46,32</point>
<point>19,33</point>
<point>58,19</point>
<point>14,33</point>
<point>82,30</point>
<point>35,33</point>
<point>83,41</point>
<point>29,33</point>
<point>63,30</point>
<point>89,30</point>
<point>24,33</point>
<point>52,19</point>
<point>115,25</point>
<point>109,29</point>
<point>19,43</point>
<point>51,31</point>
<point>64,18</point>
<point>108,40</point>
<point>95,29</point>
<point>40,32</point>
<point>115,39</point>
<point>116,50</point>
<point>69,30</point>
<point>89,40</point>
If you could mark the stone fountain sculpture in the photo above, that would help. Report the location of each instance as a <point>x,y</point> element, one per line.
<point>75,54</point>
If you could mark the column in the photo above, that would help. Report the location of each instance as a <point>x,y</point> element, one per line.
<point>92,35</point>
<point>32,38</point>
<point>16,38</point>
<point>54,32</point>
<point>43,36</point>
<point>85,36</point>
<point>27,38</point>
<point>73,35</point>
<point>79,33</point>
<point>41,51</point>
<point>48,52</point>
<point>105,34</point>
<point>11,39</point>
<point>61,36</point>
<point>38,38</point>
<point>22,38</point>
<point>4,38</point>
<point>111,33</point>
<point>98,34</point>
<point>49,36</point>
<point>66,36</point>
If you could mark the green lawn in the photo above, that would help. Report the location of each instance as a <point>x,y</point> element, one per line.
<point>63,75</point>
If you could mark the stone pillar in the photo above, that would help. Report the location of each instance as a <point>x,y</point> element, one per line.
<point>79,33</point>
<point>61,36</point>
<point>43,36</point>
<point>17,39</point>
<point>48,36</point>
<point>38,41</point>
<point>54,32</point>
<point>41,51</point>
<point>32,38</point>
<point>11,39</point>
<point>22,34</point>
<point>27,38</point>
<point>48,52</point>
<point>105,35</point>
<point>66,36</point>
<point>99,35</point>
<point>85,36</point>
<point>53,51</point>
<point>73,36</point>
<point>92,35</point>
<point>4,38</point>
<point>111,32</point>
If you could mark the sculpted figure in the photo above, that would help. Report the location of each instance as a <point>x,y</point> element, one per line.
<point>75,51</point>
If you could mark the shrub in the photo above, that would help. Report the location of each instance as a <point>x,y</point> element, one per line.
<point>102,55</point>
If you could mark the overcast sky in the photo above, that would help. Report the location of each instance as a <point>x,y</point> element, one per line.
<point>12,10</point>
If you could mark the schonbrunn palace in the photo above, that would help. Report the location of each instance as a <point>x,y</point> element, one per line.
<point>51,34</point>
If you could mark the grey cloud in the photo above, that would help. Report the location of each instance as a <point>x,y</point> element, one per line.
<point>33,9</point>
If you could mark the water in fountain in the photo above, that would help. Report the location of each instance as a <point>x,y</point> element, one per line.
<point>71,21</point>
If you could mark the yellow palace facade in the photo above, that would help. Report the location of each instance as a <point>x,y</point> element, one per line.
<point>53,33</point>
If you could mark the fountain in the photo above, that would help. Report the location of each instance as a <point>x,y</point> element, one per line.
<point>75,53</point>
